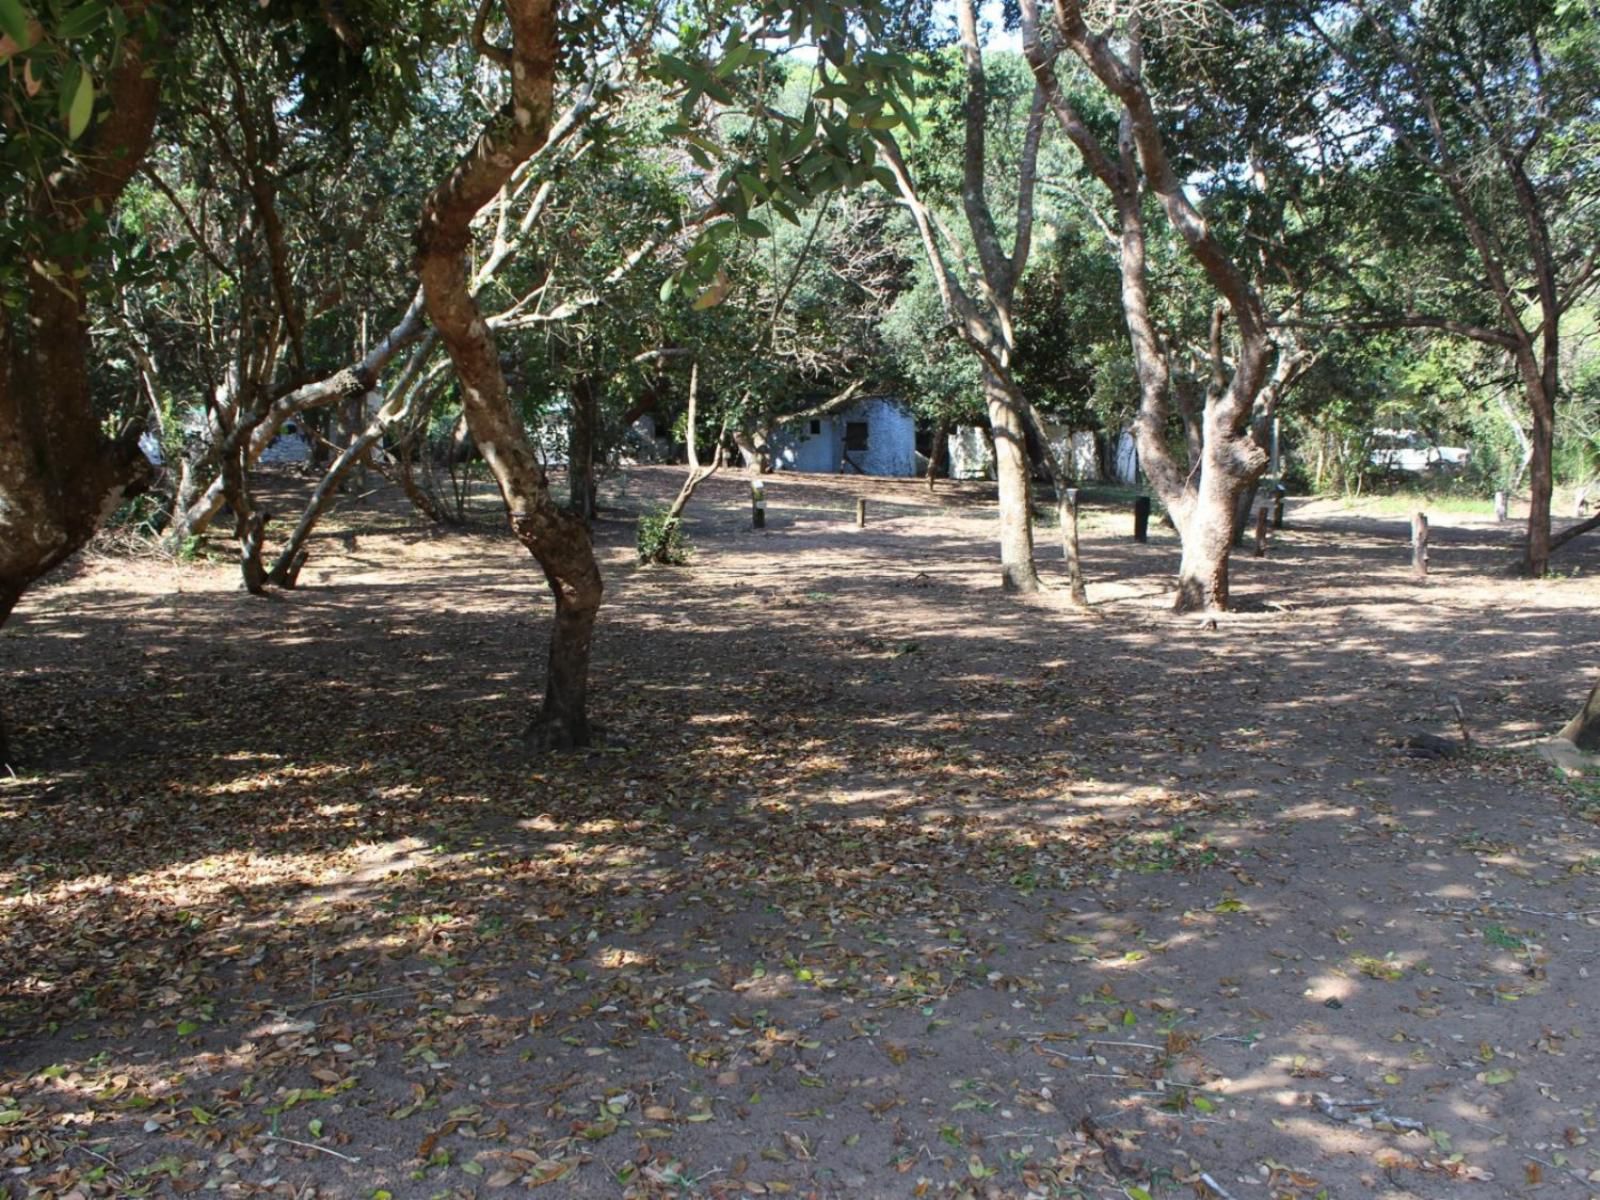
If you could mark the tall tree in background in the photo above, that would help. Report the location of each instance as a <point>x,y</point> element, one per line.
<point>1483,182</point>
<point>979,303</point>
<point>1247,376</point>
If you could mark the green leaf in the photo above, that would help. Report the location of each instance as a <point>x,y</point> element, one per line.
<point>14,22</point>
<point>1134,1192</point>
<point>185,1028</point>
<point>82,106</point>
<point>315,1126</point>
<point>81,21</point>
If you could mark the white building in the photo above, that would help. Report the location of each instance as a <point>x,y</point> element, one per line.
<point>875,436</point>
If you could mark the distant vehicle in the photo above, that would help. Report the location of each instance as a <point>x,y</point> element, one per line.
<point>1413,453</point>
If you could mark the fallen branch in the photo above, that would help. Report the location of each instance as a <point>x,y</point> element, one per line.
<point>278,1137</point>
<point>1558,540</point>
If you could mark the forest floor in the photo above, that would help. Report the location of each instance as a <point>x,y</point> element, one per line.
<point>883,883</point>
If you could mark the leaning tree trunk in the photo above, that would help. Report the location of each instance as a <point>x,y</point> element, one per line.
<point>558,540</point>
<point>1583,731</point>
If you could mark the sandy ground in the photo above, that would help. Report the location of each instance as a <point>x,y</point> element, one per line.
<point>883,883</point>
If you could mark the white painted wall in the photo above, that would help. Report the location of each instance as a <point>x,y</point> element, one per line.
<point>1125,462</point>
<point>817,444</point>
<point>971,456</point>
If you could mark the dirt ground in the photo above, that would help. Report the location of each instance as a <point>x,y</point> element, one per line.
<point>882,884</point>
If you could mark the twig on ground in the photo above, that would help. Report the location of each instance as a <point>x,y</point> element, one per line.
<point>1349,1112</point>
<point>388,991</point>
<point>1210,1181</point>
<point>278,1137</point>
<point>1503,906</point>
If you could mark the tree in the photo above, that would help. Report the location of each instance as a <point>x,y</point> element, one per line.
<point>60,474</point>
<point>981,311</point>
<point>558,540</point>
<point>1226,457</point>
<point>1487,115</point>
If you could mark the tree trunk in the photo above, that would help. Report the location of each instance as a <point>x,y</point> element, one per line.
<point>1017,570</point>
<point>1229,467</point>
<point>1541,485</point>
<point>60,476</point>
<point>1067,508</point>
<point>1583,731</point>
<point>558,540</point>
<point>584,433</point>
<point>1207,544</point>
<point>937,451</point>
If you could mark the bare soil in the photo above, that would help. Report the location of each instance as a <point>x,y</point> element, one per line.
<point>883,883</point>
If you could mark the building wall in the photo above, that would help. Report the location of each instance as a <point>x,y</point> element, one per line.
<point>799,449</point>
<point>891,441</point>
<point>971,456</point>
<point>891,437</point>
<point>1125,462</point>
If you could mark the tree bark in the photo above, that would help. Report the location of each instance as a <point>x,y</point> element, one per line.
<point>60,475</point>
<point>584,433</point>
<point>1017,570</point>
<point>697,474</point>
<point>937,451</point>
<point>1203,500</point>
<point>987,327</point>
<point>358,378</point>
<point>559,541</point>
<point>1583,731</point>
<point>1541,484</point>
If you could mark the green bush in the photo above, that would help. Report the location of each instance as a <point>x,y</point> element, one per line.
<point>661,539</point>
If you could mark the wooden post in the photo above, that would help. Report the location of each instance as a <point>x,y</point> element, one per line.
<point>1419,545</point>
<point>1278,493</point>
<point>1141,518</point>
<point>1500,507</point>
<point>758,504</point>
<point>1261,532</point>
<point>861,513</point>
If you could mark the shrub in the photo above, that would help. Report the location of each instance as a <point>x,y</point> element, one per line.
<point>661,539</point>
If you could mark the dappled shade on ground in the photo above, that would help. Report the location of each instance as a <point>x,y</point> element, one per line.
<point>882,884</point>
